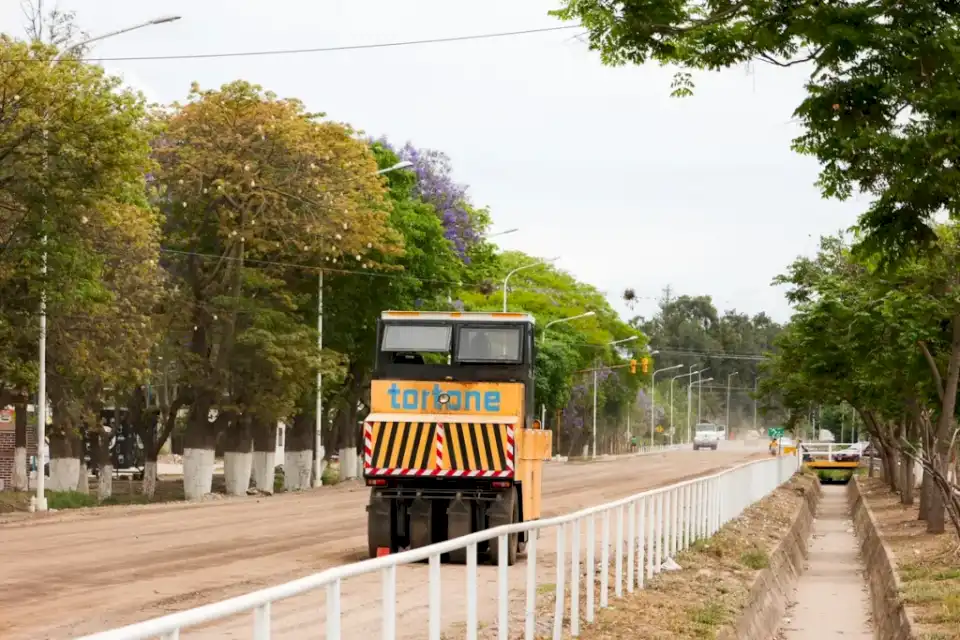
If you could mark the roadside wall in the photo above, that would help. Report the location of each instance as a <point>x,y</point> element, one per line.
<point>890,618</point>
<point>773,586</point>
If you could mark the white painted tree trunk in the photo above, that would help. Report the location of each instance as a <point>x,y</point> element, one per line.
<point>83,482</point>
<point>63,474</point>
<point>149,479</point>
<point>197,473</point>
<point>105,482</point>
<point>348,463</point>
<point>297,467</point>
<point>236,472</point>
<point>19,479</point>
<point>264,465</point>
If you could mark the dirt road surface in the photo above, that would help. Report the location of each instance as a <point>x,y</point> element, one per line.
<point>70,574</point>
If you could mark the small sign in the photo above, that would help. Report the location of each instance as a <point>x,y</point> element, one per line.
<point>659,429</point>
<point>775,432</point>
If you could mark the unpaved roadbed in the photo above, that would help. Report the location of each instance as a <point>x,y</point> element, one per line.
<point>72,574</point>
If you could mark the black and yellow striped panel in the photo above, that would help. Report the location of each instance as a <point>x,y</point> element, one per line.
<point>404,445</point>
<point>475,446</point>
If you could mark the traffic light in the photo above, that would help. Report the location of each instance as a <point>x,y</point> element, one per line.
<point>633,366</point>
<point>645,365</point>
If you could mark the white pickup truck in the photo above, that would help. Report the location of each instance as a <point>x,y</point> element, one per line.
<point>706,436</point>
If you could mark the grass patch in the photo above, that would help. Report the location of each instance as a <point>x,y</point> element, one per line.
<point>755,559</point>
<point>707,620</point>
<point>330,476</point>
<point>927,564</point>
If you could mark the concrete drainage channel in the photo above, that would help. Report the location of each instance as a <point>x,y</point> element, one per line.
<point>831,575</point>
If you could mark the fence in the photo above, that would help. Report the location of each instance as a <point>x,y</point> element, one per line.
<point>658,522</point>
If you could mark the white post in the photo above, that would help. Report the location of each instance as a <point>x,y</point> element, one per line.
<point>727,425</point>
<point>699,396</point>
<point>318,436</point>
<point>594,413</point>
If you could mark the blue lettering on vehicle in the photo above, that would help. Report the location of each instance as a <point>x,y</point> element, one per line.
<point>429,400</point>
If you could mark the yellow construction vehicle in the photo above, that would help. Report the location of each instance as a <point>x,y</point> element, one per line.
<point>451,445</point>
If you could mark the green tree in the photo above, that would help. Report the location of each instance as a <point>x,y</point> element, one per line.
<point>245,179</point>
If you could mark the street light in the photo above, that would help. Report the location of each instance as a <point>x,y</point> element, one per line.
<point>400,165</point>
<point>543,338</point>
<point>690,396</point>
<point>41,498</point>
<point>596,367</point>
<point>727,425</point>
<point>521,268</point>
<point>653,397</point>
<point>501,233</point>
<point>318,435</point>
<point>672,380</point>
<point>700,395</point>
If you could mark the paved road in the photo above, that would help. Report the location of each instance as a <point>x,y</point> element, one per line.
<point>69,574</point>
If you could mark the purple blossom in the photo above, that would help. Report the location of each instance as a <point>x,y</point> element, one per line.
<point>435,186</point>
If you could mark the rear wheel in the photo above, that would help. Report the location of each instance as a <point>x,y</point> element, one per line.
<point>502,512</point>
<point>379,524</point>
<point>459,523</point>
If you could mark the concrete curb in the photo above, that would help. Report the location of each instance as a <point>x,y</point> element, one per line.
<point>890,617</point>
<point>773,587</point>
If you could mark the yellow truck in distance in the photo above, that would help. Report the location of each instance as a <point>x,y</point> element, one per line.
<point>451,445</point>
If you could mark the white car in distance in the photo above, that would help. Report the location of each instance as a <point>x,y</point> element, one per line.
<point>706,436</point>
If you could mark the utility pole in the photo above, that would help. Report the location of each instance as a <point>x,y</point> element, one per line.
<point>727,425</point>
<point>755,386</point>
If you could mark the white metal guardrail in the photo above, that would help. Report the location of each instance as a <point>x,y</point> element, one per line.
<point>650,527</point>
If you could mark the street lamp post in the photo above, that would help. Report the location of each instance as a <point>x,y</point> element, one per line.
<point>727,425</point>
<point>318,453</point>
<point>41,500</point>
<point>653,397</point>
<point>700,394</point>
<point>543,339</point>
<point>521,268</point>
<point>672,380</point>
<point>596,367</point>
<point>690,397</point>
<point>501,233</point>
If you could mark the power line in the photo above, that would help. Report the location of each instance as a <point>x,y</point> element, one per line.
<point>715,354</point>
<point>349,47</point>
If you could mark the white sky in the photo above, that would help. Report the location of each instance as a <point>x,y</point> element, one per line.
<point>600,166</point>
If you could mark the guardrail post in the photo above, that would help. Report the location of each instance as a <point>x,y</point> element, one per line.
<point>591,585</point>
<point>641,538</point>
<point>575,579</point>
<point>560,603</point>
<point>658,536</point>
<point>667,524</point>
<point>436,597</point>
<point>605,560</point>
<point>632,535</point>
<point>530,615</point>
<point>472,621</point>
<point>389,589</point>
<point>261,622</point>
<point>651,535</point>
<point>333,611</point>
<point>503,590</point>
<point>618,588</point>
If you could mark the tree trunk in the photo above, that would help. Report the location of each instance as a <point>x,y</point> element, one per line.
<point>65,457</point>
<point>19,479</point>
<point>298,453</point>
<point>926,488</point>
<point>264,453</point>
<point>906,481</point>
<point>238,456</point>
<point>200,442</point>
<point>100,453</point>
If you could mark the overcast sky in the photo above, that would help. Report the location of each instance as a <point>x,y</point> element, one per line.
<point>631,188</point>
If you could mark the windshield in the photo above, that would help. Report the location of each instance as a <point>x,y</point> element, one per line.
<point>416,338</point>
<point>712,428</point>
<point>489,344</point>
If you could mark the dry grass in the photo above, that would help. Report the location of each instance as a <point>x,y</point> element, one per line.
<point>696,602</point>
<point>928,565</point>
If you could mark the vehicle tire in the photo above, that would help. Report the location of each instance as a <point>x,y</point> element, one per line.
<point>714,447</point>
<point>696,448</point>
<point>459,523</point>
<point>505,511</point>
<point>379,524</point>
